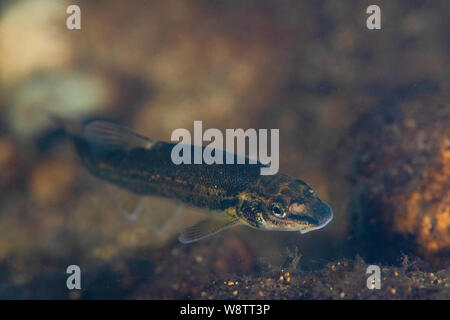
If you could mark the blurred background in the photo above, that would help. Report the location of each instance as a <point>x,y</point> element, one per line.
<point>363,118</point>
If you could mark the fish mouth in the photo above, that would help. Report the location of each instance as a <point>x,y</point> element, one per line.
<point>323,218</point>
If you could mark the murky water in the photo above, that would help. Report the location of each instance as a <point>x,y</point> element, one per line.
<point>362,116</point>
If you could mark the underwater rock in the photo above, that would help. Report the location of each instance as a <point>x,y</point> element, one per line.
<point>52,181</point>
<point>11,164</point>
<point>402,181</point>
<point>234,256</point>
<point>33,38</point>
<point>67,94</point>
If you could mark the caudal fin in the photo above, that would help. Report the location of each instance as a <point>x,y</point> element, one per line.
<point>71,127</point>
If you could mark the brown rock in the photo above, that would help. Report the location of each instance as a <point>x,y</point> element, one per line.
<point>234,256</point>
<point>402,189</point>
<point>10,163</point>
<point>52,180</point>
<point>427,211</point>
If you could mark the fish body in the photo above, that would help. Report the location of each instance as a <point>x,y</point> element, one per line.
<point>233,193</point>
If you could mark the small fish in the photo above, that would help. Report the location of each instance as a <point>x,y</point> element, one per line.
<point>232,193</point>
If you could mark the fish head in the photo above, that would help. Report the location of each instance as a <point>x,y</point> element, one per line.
<point>294,206</point>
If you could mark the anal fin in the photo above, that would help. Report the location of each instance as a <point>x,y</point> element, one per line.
<point>160,229</point>
<point>129,204</point>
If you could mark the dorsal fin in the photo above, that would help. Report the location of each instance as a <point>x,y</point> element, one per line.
<point>104,135</point>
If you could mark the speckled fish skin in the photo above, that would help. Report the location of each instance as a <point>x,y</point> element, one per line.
<point>276,202</point>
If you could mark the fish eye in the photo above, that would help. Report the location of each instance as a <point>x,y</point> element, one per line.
<point>276,210</point>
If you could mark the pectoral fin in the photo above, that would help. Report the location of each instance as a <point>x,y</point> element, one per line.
<point>104,136</point>
<point>206,228</point>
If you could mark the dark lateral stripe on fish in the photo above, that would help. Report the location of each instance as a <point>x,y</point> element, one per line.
<point>152,172</point>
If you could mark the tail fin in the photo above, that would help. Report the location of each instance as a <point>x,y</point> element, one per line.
<point>71,127</point>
